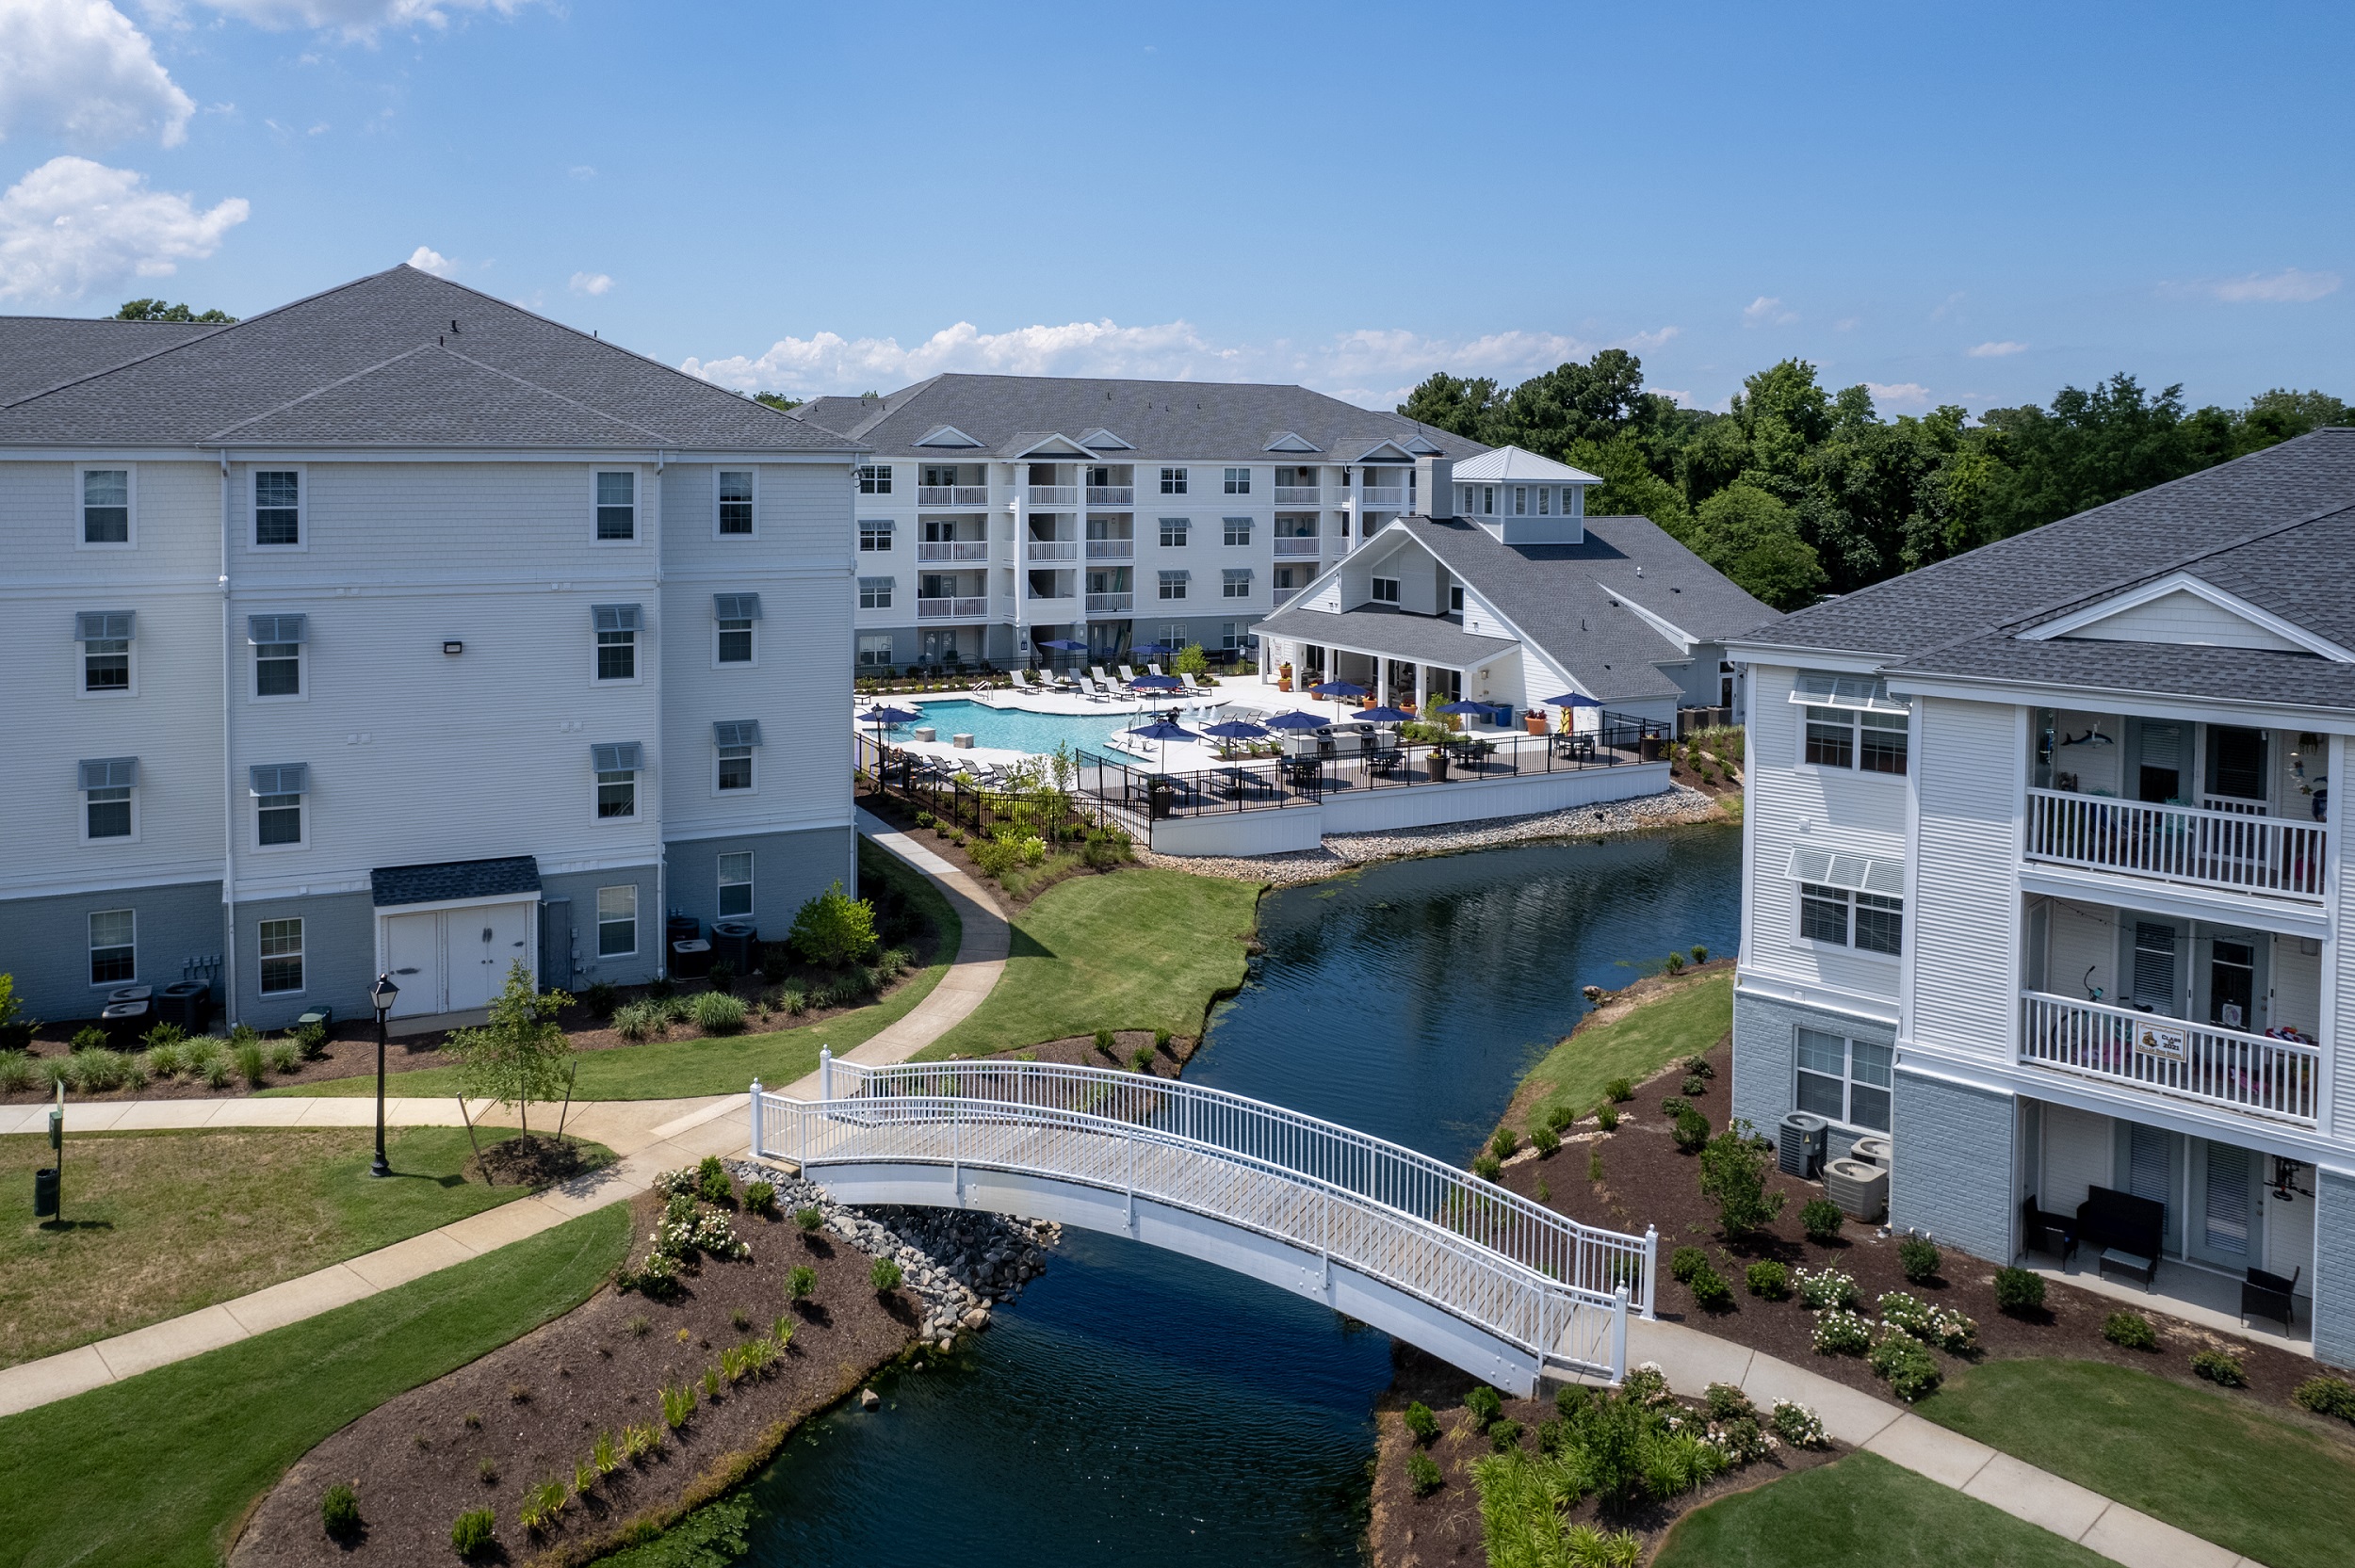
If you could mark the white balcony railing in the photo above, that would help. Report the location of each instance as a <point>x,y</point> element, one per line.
<point>953,495</point>
<point>952,549</point>
<point>2252,1073</point>
<point>1054,549</point>
<point>1300,495</point>
<point>1112,496</point>
<point>1111,604</point>
<point>951,609</point>
<point>1296,544</point>
<point>1035,597</point>
<point>1384,496</point>
<point>1111,549</point>
<point>1279,596</point>
<point>1053,496</point>
<point>2179,844</point>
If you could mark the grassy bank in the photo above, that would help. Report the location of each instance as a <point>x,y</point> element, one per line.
<point>1677,1017</point>
<point>1139,950</point>
<point>162,1223</point>
<point>157,1470</point>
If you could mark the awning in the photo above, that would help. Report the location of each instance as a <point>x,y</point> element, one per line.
<point>735,606</point>
<point>279,778</point>
<point>736,732</point>
<point>1823,688</point>
<point>626,756</point>
<point>102,625</point>
<point>617,618</point>
<point>1860,873</point>
<point>277,628</point>
<point>454,880</point>
<point>111,773</point>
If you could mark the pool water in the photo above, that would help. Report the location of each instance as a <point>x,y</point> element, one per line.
<point>1014,730</point>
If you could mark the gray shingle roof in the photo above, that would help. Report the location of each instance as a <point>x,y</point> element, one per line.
<point>1383,629</point>
<point>455,879</point>
<point>39,352</point>
<point>375,362</point>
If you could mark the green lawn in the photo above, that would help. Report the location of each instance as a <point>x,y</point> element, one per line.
<point>1862,1512</point>
<point>2206,1462</point>
<point>1142,948</point>
<point>675,1069</point>
<point>156,1470</point>
<point>159,1224</point>
<point>1686,1022</point>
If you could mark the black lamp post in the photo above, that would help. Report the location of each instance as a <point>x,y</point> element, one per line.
<point>380,996</point>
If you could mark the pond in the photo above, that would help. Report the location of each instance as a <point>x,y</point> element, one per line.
<point>1136,1407</point>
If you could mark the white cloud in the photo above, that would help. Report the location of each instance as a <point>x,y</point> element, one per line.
<point>590,282</point>
<point>72,225</point>
<point>80,70</point>
<point>357,18</point>
<point>2289,286</point>
<point>583,172</point>
<point>1996,351</point>
<point>1766,310</point>
<point>427,259</point>
<point>1912,395</point>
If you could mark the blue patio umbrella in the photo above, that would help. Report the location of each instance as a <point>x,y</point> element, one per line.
<point>892,715</point>
<point>1295,719</point>
<point>1063,645</point>
<point>1161,729</point>
<point>1154,648</point>
<point>1464,707</point>
<point>1235,729</point>
<point>1336,688</point>
<point>1160,683</point>
<point>1383,716</point>
<point>1571,700</point>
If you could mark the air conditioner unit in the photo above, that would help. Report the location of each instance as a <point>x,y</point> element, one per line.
<point>1861,1191</point>
<point>1803,1135</point>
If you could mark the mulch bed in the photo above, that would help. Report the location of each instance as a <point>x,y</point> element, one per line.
<point>534,1408</point>
<point>1407,1531</point>
<point>901,816</point>
<point>1645,1180</point>
<point>1080,1051</point>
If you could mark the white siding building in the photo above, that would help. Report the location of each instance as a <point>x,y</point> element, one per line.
<point>2045,877</point>
<point>400,628</point>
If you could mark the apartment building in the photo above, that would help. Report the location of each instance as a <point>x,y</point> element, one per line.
<point>2045,877</point>
<point>998,512</point>
<point>401,629</point>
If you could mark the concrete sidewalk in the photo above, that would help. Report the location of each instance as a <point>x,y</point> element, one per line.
<point>1693,1360</point>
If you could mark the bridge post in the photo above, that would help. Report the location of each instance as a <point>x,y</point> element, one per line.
<point>755,1108</point>
<point>1618,1335</point>
<point>1651,1269</point>
<point>825,1072</point>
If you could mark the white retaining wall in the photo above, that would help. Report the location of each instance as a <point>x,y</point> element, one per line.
<point>1273,832</point>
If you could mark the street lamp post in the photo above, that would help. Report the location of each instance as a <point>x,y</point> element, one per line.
<point>380,996</point>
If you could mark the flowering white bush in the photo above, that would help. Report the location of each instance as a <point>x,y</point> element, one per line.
<point>1797,1425</point>
<point>675,1184</point>
<point>1824,1288</point>
<point>1842,1332</point>
<point>1941,1326</point>
<point>1647,1385</point>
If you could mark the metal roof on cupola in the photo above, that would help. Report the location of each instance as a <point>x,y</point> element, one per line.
<point>1511,465</point>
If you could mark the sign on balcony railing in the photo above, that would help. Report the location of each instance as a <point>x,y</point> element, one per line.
<point>2183,844</point>
<point>2261,1074</point>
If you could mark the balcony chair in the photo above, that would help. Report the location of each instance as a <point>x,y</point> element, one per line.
<point>2264,1295</point>
<point>2041,1232</point>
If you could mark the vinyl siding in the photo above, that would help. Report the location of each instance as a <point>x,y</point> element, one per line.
<point>1953,1163</point>
<point>2184,617</point>
<point>1964,920</point>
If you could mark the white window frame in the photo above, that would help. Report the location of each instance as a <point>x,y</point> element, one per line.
<point>723,882</point>
<point>1819,713</point>
<point>1174,482</point>
<point>264,956</point>
<point>1181,526</point>
<point>640,644</point>
<point>1851,904</point>
<point>1848,1081</point>
<point>874,478</point>
<point>130,687</point>
<point>876,594</point>
<point>1238,481</point>
<point>89,946</point>
<point>1234,582</point>
<point>301,693</point>
<point>598,782</point>
<point>254,508</point>
<point>130,472</point>
<point>604,920</point>
<point>866,644</point>
<point>1230,633</point>
<point>302,822</point>
<point>751,470</point>
<point>1173,577</point>
<point>1375,586</point>
<point>1233,526</point>
<point>82,820</point>
<point>752,643</point>
<point>637,506</point>
<point>876,527</point>
<point>723,754</point>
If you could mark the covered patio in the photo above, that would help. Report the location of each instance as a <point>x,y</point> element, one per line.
<point>1411,662</point>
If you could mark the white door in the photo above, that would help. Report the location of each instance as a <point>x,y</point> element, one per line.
<point>413,951</point>
<point>481,946</point>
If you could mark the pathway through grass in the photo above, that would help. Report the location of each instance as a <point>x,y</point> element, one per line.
<point>1686,1021</point>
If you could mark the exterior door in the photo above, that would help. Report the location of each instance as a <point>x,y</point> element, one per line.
<point>413,952</point>
<point>556,944</point>
<point>479,945</point>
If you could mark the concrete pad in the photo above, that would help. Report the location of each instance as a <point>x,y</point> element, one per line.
<point>57,1377</point>
<point>1929,1450</point>
<point>292,1300</point>
<point>495,1228</point>
<point>175,1339</point>
<point>717,1106</point>
<point>24,1119</point>
<point>408,1260</point>
<point>257,1112</point>
<point>82,1117</point>
<point>151,1116</point>
<point>326,1111</point>
<point>419,1112</point>
<point>2037,1496</point>
<point>1692,1359</point>
<point>2125,1535</point>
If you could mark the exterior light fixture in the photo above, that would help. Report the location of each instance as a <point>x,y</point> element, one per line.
<point>453,646</point>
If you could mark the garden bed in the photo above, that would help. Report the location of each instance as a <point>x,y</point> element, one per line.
<point>1162,1058</point>
<point>1015,886</point>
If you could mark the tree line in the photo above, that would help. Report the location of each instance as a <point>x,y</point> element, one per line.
<point>1798,490</point>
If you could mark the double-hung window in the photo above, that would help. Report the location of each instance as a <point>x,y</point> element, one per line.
<point>874,650</point>
<point>277,641</point>
<point>617,921</point>
<point>1235,582</point>
<point>110,798</point>
<point>278,789</point>
<point>1173,481</point>
<point>874,534</point>
<point>1237,531</point>
<point>875,592</point>
<point>281,957</point>
<point>617,766</point>
<point>1239,481</point>
<point>1869,922</point>
<point>1843,1081</point>
<point>113,947</point>
<point>736,503</point>
<point>105,505</point>
<point>105,640</point>
<point>1173,584</point>
<point>732,618</point>
<point>1386,591</point>
<point>1174,532</point>
<point>736,884</point>
<point>874,478</point>
<point>617,628</point>
<point>733,742</point>
<point>277,507</point>
<point>1852,722</point>
<point>617,505</point>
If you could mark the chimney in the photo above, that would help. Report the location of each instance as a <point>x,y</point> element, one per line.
<point>1436,477</point>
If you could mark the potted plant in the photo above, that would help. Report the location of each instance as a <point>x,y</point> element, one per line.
<point>1435,763</point>
<point>1534,722</point>
<point>1284,676</point>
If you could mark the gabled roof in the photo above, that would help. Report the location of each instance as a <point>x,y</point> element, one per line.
<point>946,435</point>
<point>38,352</point>
<point>1043,444</point>
<point>1287,441</point>
<point>1101,440</point>
<point>377,362</point>
<point>1511,465</point>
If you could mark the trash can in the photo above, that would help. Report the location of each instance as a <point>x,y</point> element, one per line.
<point>691,959</point>
<point>1801,1144</point>
<point>1652,748</point>
<point>45,1192</point>
<point>187,1003</point>
<point>736,944</point>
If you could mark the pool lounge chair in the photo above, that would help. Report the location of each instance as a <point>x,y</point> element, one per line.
<point>1191,684</point>
<point>1128,675</point>
<point>1152,669</point>
<point>1021,679</point>
<point>1092,691</point>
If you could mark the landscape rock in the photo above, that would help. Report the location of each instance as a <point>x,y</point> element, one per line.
<point>868,1399</point>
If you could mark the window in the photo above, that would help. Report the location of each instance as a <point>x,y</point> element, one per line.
<point>1173,531</point>
<point>106,639</point>
<point>1843,1081</point>
<point>1456,599</point>
<point>1488,500</point>
<point>1830,738</point>
<point>736,884</point>
<point>1870,743</point>
<point>617,640</point>
<point>617,921</point>
<point>1235,582</point>
<point>1173,584</point>
<point>277,507</point>
<point>281,956</point>
<point>105,505</point>
<point>938,476</point>
<point>1173,481</point>
<point>735,502</point>
<point>278,670</point>
<point>1521,500</point>
<point>1230,633</point>
<point>1879,925</point>
<point>277,789</point>
<point>875,592</point>
<point>1823,914</point>
<point>109,789</point>
<point>1238,530</point>
<point>617,767</point>
<point>874,478</point>
<point>732,741</point>
<point>732,618</point>
<point>617,506</point>
<point>1544,500</point>
<point>874,535</point>
<point>874,651</point>
<point>1386,591</point>
<point>1239,481</point>
<point>113,947</point>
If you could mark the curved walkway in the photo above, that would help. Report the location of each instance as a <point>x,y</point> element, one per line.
<point>651,1136</point>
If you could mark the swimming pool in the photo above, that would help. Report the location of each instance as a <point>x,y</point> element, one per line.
<point>1015,730</point>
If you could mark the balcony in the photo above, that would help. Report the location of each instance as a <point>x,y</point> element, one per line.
<point>2231,850</point>
<point>1384,496</point>
<point>1111,549</point>
<point>967,496</point>
<point>1300,495</point>
<point>1296,544</point>
<point>1111,604</point>
<point>1112,496</point>
<point>952,549</point>
<point>1035,597</point>
<point>2253,1074</point>
<point>1053,549</point>
<point>951,609</point>
<point>1279,597</point>
<point>1052,496</point>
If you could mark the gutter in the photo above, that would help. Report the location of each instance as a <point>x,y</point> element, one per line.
<point>228,771</point>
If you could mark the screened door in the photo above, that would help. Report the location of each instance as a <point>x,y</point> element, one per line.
<point>2236,767</point>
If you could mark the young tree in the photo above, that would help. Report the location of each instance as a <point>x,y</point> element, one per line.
<point>522,1054</point>
<point>834,929</point>
<point>1734,1171</point>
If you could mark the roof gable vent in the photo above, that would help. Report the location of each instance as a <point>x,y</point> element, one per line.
<point>1101,440</point>
<point>945,435</point>
<point>1285,440</point>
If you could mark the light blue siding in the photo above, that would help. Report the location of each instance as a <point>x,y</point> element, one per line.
<point>1953,1153</point>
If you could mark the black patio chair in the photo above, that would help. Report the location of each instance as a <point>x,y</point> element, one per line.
<point>2264,1295</point>
<point>2041,1232</point>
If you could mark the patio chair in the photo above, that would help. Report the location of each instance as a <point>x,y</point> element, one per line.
<point>2041,1232</point>
<point>1097,671</point>
<point>1191,684</point>
<point>2264,1295</point>
<point>1021,679</point>
<point>1128,675</point>
<point>1094,693</point>
<point>1152,669</point>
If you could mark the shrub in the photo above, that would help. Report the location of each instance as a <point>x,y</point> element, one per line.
<point>1797,1425</point>
<point>760,1198</point>
<point>1695,1084</point>
<point>1692,1131</point>
<point>2018,1291</point>
<point>793,999</point>
<point>1558,1117</point>
<point>16,1072</point>
<point>217,1072</point>
<point>776,962</point>
<point>1726,1402</point>
<point>542,1504</point>
<point>605,1456</point>
<point>924,819</point>
<point>339,1511</point>
<point>801,1282</point>
<point>1160,1041</point>
<point>1842,1332</point>
<point>638,1021</point>
<point>97,1071</point>
<point>1484,1404</point>
<point>1505,1143</point>
<point>1104,1043</point>
<point>1710,1290</point>
<point>834,929</point>
<point>600,998</point>
<point>251,1065</point>
<point>2220,1366</point>
<point>661,989</point>
<point>713,1381</point>
<point>1675,963</point>
<point>90,1037</point>
<point>1698,1067</point>
<point>1423,1474</point>
<point>1821,1218</point>
<point>810,1219</point>
<point>1620,1089</point>
<point>1487,1166</point>
<point>1685,1262</point>
<point>1503,1435</point>
<point>1941,1326</point>
<point>285,1056</point>
<point>781,1331</point>
<point>678,1403</point>
<point>1909,1371</point>
<point>1143,1059</point>
<point>1734,1174</point>
<point>1674,1106</point>
<point>164,1035</point>
<point>1420,1424</point>
<point>717,1012</point>
<point>885,1275</point>
<point>721,978</point>
<point>711,1180</point>
<point>640,1327</point>
<point>1917,1255</point>
<point>1701,954</point>
<point>1545,1141</point>
<point>474,1533</point>
<point>2326,1397</point>
<point>1769,1279</point>
<point>2130,1330</point>
<point>1824,1287</point>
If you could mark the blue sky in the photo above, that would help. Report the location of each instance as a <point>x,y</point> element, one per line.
<point>1975,206</point>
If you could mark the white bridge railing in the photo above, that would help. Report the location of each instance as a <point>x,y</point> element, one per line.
<point>1549,1286</point>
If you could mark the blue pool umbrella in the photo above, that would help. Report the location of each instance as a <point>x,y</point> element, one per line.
<point>1063,645</point>
<point>1464,707</point>
<point>1156,648</point>
<point>892,715</point>
<point>1383,716</point>
<point>1336,688</point>
<point>1161,729</point>
<point>1571,700</point>
<point>1295,719</point>
<point>1164,683</point>
<point>1235,729</point>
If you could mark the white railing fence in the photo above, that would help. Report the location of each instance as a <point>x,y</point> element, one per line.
<point>2252,1073</point>
<point>2185,844</point>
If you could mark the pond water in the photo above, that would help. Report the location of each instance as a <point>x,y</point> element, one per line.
<point>1139,1407</point>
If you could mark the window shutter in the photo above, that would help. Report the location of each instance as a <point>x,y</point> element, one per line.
<point>279,778</point>
<point>111,773</point>
<point>736,732</point>
<point>617,618</point>
<point>277,628</point>
<point>626,756</point>
<point>735,606</point>
<point>1858,873</point>
<point>102,625</point>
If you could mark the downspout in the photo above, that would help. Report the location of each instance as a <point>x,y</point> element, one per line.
<point>661,842</point>
<point>228,774</point>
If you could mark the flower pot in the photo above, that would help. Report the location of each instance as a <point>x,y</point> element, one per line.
<point>1283,683</point>
<point>1534,722</point>
<point>1435,765</point>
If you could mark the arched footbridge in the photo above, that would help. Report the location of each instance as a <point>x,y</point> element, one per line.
<point>1466,1269</point>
